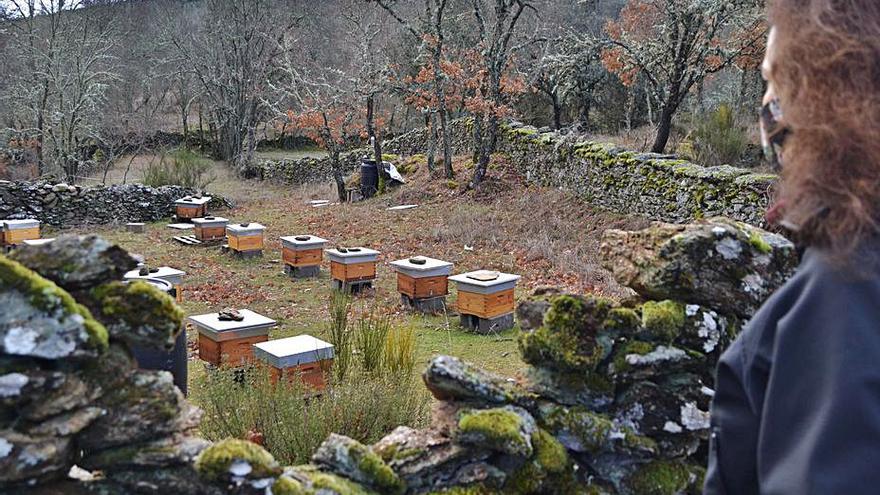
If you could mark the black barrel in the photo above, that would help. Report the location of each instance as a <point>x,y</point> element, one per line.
<point>157,359</point>
<point>369,178</point>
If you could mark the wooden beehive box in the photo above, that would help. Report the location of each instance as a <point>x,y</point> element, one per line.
<point>189,207</point>
<point>302,250</point>
<point>422,277</point>
<point>230,343</point>
<point>245,237</point>
<point>302,357</point>
<point>210,228</point>
<point>171,275</point>
<point>355,264</point>
<point>17,231</point>
<point>485,294</point>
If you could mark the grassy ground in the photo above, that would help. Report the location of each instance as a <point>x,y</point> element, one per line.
<point>543,235</point>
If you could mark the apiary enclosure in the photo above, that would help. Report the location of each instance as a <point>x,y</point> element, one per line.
<point>352,269</point>
<point>245,239</point>
<point>171,275</point>
<point>230,342</point>
<point>189,207</point>
<point>302,255</point>
<point>485,300</point>
<point>302,357</point>
<point>210,228</point>
<point>423,282</point>
<point>15,232</point>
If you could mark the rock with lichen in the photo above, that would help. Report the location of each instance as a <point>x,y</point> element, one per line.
<point>351,459</point>
<point>77,262</point>
<point>137,313</point>
<point>449,378</point>
<point>726,265</point>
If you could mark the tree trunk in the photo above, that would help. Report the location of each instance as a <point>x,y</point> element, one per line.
<point>371,134</point>
<point>664,129</point>
<point>557,110</point>
<point>432,140</point>
<point>447,147</point>
<point>336,167</point>
<point>487,147</point>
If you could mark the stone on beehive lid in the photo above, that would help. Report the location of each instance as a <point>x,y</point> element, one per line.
<point>192,207</point>
<point>300,251</point>
<point>230,342</point>
<point>302,356</point>
<point>726,265</point>
<point>166,273</point>
<point>485,299</point>
<point>210,228</point>
<point>245,237</point>
<point>352,264</point>
<point>17,231</point>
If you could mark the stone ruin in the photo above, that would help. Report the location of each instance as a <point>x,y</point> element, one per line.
<point>615,399</point>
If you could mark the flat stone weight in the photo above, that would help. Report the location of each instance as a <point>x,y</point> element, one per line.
<point>302,271</point>
<point>487,325</point>
<point>431,305</point>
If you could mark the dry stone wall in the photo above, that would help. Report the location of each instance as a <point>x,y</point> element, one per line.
<point>661,187</point>
<point>615,400</point>
<point>63,205</point>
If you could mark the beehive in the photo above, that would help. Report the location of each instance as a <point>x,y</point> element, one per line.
<point>423,282</point>
<point>17,231</point>
<point>230,343</point>
<point>171,275</point>
<point>210,228</point>
<point>302,357</point>
<point>485,299</point>
<point>302,254</point>
<point>245,237</point>
<point>189,207</point>
<point>349,265</point>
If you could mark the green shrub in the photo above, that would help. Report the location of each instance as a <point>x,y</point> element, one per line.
<point>293,421</point>
<point>400,350</point>
<point>717,138</point>
<point>182,167</point>
<point>339,333</point>
<point>372,332</point>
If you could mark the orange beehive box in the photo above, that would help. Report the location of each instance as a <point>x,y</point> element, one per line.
<point>230,343</point>
<point>302,250</point>
<point>421,277</point>
<point>302,357</point>
<point>245,237</point>
<point>355,264</point>
<point>485,294</point>
<point>210,228</point>
<point>17,231</point>
<point>189,207</point>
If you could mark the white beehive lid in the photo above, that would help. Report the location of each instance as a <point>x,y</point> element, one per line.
<point>252,325</point>
<point>37,242</point>
<point>192,201</point>
<point>171,275</point>
<point>293,351</point>
<point>301,242</point>
<point>28,223</point>
<point>430,268</point>
<point>484,281</point>
<point>352,255</point>
<point>210,221</point>
<point>238,229</point>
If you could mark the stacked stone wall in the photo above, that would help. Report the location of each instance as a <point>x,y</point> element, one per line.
<point>661,187</point>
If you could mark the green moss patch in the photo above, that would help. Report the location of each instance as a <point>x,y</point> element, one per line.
<point>663,319</point>
<point>499,429</point>
<point>214,462</point>
<point>663,478</point>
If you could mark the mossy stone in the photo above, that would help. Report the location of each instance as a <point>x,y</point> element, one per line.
<point>500,429</point>
<point>215,461</point>
<point>663,319</point>
<point>663,478</point>
<point>289,486</point>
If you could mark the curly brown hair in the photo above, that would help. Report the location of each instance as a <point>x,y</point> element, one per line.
<point>826,71</point>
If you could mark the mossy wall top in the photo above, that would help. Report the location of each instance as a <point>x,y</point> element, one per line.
<point>660,187</point>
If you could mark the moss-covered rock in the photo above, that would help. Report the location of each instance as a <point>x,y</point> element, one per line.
<point>235,458</point>
<point>320,482</point>
<point>450,378</point>
<point>572,336</point>
<point>665,478</point>
<point>288,486</point>
<point>581,430</point>
<point>137,313</point>
<point>42,320</point>
<point>662,320</point>
<point>508,429</point>
<point>549,471</point>
<point>350,458</point>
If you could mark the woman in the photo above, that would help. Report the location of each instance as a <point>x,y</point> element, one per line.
<point>797,402</point>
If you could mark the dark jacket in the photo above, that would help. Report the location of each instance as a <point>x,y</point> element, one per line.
<point>797,400</point>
